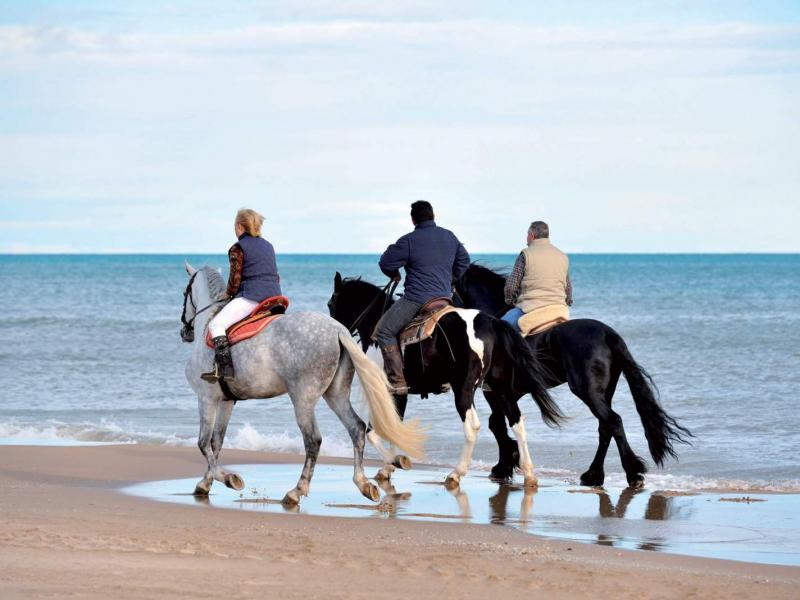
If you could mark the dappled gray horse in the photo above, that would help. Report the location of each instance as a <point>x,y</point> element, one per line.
<point>304,354</point>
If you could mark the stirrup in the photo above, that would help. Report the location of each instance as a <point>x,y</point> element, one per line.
<point>212,376</point>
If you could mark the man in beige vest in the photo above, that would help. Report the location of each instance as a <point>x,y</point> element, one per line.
<point>539,287</point>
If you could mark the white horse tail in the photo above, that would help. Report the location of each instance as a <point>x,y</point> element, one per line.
<point>408,436</point>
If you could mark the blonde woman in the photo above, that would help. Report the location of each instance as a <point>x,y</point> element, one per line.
<point>253,278</point>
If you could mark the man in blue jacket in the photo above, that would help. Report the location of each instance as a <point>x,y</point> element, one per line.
<point>432,257</point>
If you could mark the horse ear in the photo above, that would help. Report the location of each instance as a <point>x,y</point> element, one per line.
<point>337,281</point>
<point>189,268</point>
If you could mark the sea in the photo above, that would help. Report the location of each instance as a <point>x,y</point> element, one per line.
<point>90,352</point>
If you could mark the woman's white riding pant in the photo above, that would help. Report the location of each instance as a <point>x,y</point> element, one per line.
<point>235,310</point>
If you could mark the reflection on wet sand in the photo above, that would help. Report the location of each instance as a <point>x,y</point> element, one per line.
<point>498,504</point>
<point>672,521</point>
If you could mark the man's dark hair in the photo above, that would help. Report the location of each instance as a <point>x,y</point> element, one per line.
<point>421,210</point>
<point>539,229</point>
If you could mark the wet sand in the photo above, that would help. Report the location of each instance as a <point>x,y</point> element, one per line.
<point>67,530</point>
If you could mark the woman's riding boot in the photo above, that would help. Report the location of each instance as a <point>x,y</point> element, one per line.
<point>223,363</point>
<point>393,365</point>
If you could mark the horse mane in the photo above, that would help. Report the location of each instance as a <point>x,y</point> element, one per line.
<point>359,284</point>
<point>488,275</point>
<point>216,284</point>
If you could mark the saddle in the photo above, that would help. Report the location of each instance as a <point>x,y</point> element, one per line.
<point>262,315</point>
<point>424,323</point>
<point>542,319</point>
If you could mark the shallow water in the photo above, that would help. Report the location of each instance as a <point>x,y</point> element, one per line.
<point>766,529</point>
<point>94,354</point>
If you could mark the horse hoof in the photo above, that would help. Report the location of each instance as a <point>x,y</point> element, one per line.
<point>371,492</point>
<point>531,483</point>
<point>200,490</point>
<point>637,483</point>
<point>385,474</point>
<point>452,482</point>
<point>402,462</point>
<point>234,481</point>
<point>290,499</point>
<point>502,474</point>
<point>593,478</point>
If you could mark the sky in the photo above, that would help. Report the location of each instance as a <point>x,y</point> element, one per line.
<point>627,126</point>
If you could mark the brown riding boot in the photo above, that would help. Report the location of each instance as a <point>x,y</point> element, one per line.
<point>393,365</point>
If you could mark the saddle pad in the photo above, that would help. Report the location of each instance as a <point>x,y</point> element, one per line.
<point>244,329</point>
<point>422,328</point>
<point>542,319</point>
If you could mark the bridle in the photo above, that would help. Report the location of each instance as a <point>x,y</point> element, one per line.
<point>188,324</point>
<point>387,292</point>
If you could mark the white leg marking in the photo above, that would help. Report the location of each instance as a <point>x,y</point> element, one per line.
<point>386,454</point>
<point>526,464</point>
<point>471,426</point>
<point>468,316</point>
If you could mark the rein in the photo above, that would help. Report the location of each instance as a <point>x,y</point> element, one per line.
<point>187,296</point>
<point>387,294</point>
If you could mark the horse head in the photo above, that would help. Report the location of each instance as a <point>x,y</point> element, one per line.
<point>208,296</point>
<point>356,304</point>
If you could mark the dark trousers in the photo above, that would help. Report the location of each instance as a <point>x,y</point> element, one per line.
<point>392,322</point>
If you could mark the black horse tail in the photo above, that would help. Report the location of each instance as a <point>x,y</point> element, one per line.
<point>661,430</point>
<point>526,372</point>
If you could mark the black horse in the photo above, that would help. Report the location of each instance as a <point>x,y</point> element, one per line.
<point>589,356</point>
<point>467,348</point>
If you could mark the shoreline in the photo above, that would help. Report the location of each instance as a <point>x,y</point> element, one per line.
<point>68,529</point>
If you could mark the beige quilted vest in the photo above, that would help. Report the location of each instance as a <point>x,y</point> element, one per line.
<point>545,279</point>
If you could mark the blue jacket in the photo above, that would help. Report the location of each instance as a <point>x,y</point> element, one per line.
<point>260,278</point>
<point>432,257</point>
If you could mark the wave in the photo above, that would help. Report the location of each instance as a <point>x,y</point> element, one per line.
<point>248,437</point>
<point>666,481</point>
<point>245,437</point>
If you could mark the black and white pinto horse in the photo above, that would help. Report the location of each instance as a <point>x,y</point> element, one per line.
<point>590,357</point>
<point>467,348</point>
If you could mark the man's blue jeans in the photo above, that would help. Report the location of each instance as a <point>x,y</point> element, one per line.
<point>512,316</point>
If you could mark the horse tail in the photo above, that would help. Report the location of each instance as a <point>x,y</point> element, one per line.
<point>527,373</point>
<point>661,430</point>
<point>409,435</point>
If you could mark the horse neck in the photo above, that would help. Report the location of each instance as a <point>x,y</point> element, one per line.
<point>370,320</point>
<point>487,297</point>
<point>202,298</point>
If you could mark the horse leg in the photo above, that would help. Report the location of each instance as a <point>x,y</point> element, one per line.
<point>312,439</point>
<point>207,406</point>
<point>465,405</point>
<point>508,455</point>
<point>391,461</point>
<point>517,422</point>
<point>595,474</point>
<point>224,410</point>
<point>338,398</point>
<point>635,467</point>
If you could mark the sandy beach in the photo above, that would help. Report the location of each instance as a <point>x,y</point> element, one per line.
<point>68,531</point>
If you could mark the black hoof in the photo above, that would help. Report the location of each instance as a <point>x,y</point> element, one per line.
<point>593,478</point>
<point>636,482</point>
<point>502,473</point>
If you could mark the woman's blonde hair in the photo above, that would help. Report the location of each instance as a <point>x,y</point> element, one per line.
<point>250,220</point>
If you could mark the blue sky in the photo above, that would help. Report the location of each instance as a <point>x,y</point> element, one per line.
<point>142,127</point>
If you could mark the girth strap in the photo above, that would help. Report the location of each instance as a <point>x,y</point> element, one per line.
<point>226,391</point>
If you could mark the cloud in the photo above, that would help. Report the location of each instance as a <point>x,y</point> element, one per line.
<point>619,135</point>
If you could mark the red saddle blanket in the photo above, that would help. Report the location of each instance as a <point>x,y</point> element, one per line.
<point>263,314</point>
